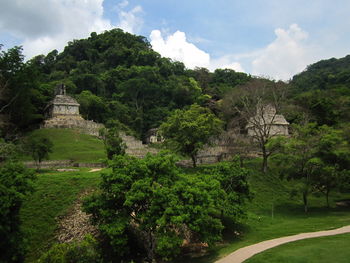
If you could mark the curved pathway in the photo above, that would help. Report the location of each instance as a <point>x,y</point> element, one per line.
<point>246,252</point>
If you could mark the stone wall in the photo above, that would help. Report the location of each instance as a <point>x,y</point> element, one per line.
<point>136,147</point>
<point>63,163</point>
<point>73,122</point>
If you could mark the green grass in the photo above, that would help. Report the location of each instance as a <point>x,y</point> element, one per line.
<point>273,213</point>
<point>315,250</point>
<point>69,144</point>
<point>54,193</point>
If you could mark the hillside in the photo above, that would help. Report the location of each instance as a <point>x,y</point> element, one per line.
<point>323,90</point>
<point>114,76</point>
<point>71,145</point>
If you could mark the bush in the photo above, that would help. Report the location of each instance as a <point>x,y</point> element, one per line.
<point>15,183</point>
<point>85,251</point>
<point>148,205</point>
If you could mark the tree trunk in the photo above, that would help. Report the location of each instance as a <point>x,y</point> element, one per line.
<point>264,163</point>
<point>327,197</point>
<point>241,162</point>
<point>305,202</point>
<point>194,160</point>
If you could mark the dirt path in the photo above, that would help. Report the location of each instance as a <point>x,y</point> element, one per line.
<point>95,170</point>
<point>246,252</point>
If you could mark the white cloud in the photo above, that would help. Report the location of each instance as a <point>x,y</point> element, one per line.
<point>287,55</point>
<point>45,25</point>
<point>226,62</point>
<point>123,4</point>
<point>130,21</point>
<point>178,48</point>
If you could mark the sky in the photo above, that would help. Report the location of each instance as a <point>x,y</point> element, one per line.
<point>270,38</point>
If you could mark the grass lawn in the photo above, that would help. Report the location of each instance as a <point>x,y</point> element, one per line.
<point>273,213</point>
<point>69,144</point>
<point>54,193</point>
<point>315,250</point>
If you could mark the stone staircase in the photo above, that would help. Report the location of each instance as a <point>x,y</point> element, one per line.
<point>136,147</point>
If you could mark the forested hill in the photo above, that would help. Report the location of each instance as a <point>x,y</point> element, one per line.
<point>114,76</point>
<point>325,74</point>
<point>324,89</point>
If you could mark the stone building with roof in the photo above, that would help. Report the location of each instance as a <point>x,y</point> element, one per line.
<point>63,112</point>
<point>268,121</point>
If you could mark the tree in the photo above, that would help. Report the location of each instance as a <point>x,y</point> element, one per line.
<point>15,184</point>
<point>248,104</point>
<point>316,157</point>
<point>148,205</point>
<point>333,159</point>
<point>114,144</point>
<point>8,151</point>
<point>296,158</point>
<point>38,147</point>
<point>187,131</point>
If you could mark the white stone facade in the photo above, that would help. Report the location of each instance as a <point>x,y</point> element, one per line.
<point>63,112</point>
<point>269,121</point>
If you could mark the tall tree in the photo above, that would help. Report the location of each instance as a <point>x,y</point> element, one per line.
<point>147,203</point>
<point>187,131</point>
<point>317,158</point>
<point>38,147</point>
<point>249,103</point>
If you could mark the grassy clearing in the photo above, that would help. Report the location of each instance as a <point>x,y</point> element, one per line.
<point>69,144</point>
<point>54,193</point>
<point>315,250</point>
<point>273,213</point>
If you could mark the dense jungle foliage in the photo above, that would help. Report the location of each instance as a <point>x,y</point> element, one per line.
<point>117,76</point>
<point>114,75</point>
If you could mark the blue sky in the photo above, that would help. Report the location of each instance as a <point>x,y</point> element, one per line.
<point>271,38</point>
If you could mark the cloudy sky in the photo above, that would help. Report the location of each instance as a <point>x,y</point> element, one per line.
<point>271,38</point>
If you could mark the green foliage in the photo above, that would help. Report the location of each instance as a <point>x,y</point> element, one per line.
<point>85,251</point>
<point>324,91</point>
<point>8,151</point>
<point>92,107</point>
<point>151,201</point>
<point>317,157</point>
<point>55,192</point>
<point>114,144</point>
<point>38,147</point>
<point>18,97</point>
<point>15,184</point>
<point>187,131</point>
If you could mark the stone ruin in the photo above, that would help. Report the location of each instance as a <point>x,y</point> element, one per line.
<point>233,142</point>
<point>63,112</point>
<point>267,116</point>
<point>135,147</point>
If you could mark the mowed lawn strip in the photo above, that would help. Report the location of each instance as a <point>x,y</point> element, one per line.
<point>313,250</point>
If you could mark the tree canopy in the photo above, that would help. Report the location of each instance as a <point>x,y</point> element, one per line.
<point>148,205</point>
<point>187,131</point>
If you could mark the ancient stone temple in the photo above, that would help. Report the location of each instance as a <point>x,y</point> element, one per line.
<point>267,116</point>
<point>63,112</point>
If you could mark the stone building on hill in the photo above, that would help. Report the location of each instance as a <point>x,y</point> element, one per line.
<point>63,112</point>
<point>268,122</point>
